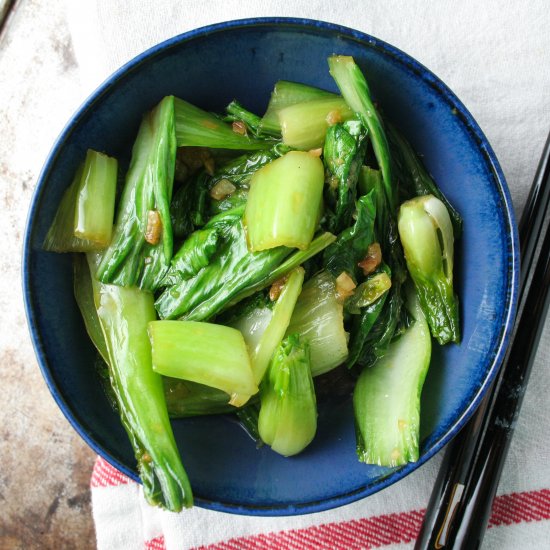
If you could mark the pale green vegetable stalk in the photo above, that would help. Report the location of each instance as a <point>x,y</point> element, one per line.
<point>426,233</point>
<point>386,398</point>
<point>288,413</point>
<point>278,324</point>
<point>197,128</point>
<point>252,322</point>
<point>206,353</point>
<point>123,315</point>
<point>284,202</point>
<point>95,202</point>
<point>60,236</point>
<point>284,94</point>
<point>318,318</point>
<point>304,125</point>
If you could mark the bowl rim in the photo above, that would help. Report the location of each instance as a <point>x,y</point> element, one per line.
<point>409,64</point>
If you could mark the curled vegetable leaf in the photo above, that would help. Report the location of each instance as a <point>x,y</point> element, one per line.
<point>427,235</point>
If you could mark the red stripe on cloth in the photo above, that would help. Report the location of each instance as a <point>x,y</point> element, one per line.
<point>520,507</point>
<point>155,544</point>
<point>346,535</point>
<point>105,475</point>
<point>382,530</point>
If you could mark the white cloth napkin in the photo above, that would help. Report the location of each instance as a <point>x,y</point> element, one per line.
<point>496,57</point>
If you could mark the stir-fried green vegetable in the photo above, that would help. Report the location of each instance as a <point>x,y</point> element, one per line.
<point>284,202</point>
<point>290,260</point>
<point>386,398</point>
<point>304,125</point>
<point>427,236</point>
<point>288,413</point>
<point>416,177</point>
<point>233,272</point>
<point>95,203</point>
<point>84,219</point>
<point>185,398</point>
<point>205,353</point>
<point>344,153</point>
<point>318,319</point>
<point>124,313</point>
<point>352,244</point>
<point>141,249</point>
<point>197,128</point>
<point>284,95</point>
<point>355,90</point>
<point>275,330</point>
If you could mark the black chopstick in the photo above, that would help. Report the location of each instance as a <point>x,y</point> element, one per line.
<point>460,504</point>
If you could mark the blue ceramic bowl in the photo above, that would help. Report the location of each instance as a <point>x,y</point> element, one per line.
<point>243,59</point>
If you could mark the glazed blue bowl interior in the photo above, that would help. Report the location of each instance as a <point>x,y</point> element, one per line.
<point>243,60</point>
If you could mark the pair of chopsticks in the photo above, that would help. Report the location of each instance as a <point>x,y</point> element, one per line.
<point>461,500</point>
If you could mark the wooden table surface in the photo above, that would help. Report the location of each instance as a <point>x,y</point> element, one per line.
<point>45,466</point>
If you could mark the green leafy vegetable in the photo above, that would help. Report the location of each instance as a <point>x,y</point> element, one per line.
<point>185,399</point>
<point>84,296</point>
<point>237,113</point>
<point>343,152</point>
<point>364,341</point>
<point>416,177</point>
<point>427,236</point>
<point>284,202</point>
<point>95,203</point>
<point>386,398</point>
<point>195,127</point>
<point>276,329</point>
<point>240,170</point>
<point>318,319</point>
<point>195,254</point>
<point>141,249</point>
<point>284,94</point>
<point>352,244</point>
<point>251,317</point>
<point>355,90</point>
<point>304,125</point>
<point>188,209</point>
<point>83,221</point>
<point>206,353</point>
<point>123,315</point>
<point>288,413</point>
<point>232,269</point>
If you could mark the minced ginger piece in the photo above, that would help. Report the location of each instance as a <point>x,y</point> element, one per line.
<point>153,230</point>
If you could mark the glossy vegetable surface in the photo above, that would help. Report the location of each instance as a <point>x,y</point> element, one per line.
<point>124,314</point>
<point>276,260</point>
